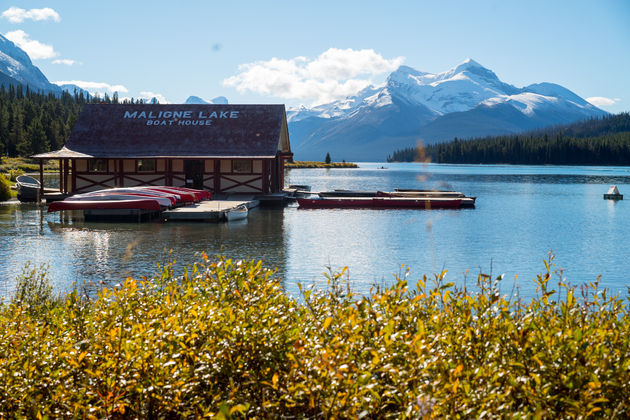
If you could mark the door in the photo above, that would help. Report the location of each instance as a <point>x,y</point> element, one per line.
<point>194,173</point>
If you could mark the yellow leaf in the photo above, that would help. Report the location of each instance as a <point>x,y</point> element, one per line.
<point>274,379</point>
<point>455,386</point>
<point>327,322</point>
<point>458,369</point>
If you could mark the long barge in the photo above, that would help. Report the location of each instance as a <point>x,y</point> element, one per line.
<point>380,203</point>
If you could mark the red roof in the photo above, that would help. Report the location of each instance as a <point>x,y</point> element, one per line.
<point>147,130</point>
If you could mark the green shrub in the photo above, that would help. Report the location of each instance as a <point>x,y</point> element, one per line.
<point>223,339</point>
<point>5,188</point>
<point>14,173</point>
<point>33,291</point>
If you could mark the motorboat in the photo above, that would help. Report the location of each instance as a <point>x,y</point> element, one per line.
<point>28,188</point>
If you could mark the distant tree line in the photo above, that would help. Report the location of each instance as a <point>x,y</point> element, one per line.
<point>32,122</point>
<point>597,141</point>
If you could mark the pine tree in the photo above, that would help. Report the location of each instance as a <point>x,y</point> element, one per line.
<point>36,137</point>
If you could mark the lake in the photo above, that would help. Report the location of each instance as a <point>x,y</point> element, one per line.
<point>522,213</point>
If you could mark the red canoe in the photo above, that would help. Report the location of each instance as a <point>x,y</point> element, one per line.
<point>151,205</point>
<point>380,203</point>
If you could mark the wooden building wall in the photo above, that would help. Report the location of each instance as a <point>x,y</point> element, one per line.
<point>219,175</point>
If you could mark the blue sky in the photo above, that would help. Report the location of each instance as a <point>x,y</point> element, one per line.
<point>310,52</point>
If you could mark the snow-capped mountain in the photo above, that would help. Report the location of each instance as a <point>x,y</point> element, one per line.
<point>196,100</point>
<point>466,101</point>
<point>16,68</point>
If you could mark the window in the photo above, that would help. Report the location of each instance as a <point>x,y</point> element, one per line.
<point>146,165</point>
<point>97,165</point>
<point>242,166</point>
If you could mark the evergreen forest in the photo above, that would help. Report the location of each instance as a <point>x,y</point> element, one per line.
<point>32,122</point>
<point>597,141</point>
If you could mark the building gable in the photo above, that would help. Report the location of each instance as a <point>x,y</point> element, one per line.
<point>203,131</point>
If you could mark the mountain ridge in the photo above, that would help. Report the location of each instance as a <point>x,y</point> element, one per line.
<point>468,100</point>
<point>16,68</point>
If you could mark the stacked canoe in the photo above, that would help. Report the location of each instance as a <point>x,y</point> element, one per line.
<point>144,201</point>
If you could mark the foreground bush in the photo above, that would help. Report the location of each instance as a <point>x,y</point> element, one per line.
<point>5,188</point>
<point>223,339</point>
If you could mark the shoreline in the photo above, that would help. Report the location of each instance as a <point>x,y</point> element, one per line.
<point>312,164</point>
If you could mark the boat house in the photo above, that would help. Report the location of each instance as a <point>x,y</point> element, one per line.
<point>220,148</point>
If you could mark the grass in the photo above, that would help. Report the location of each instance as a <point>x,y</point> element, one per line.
<point>310,164</point>
<point>8,164</point>
<point>223,340</point>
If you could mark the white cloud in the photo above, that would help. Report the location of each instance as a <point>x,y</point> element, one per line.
<point>602,101</point>
<point>94,87</point>
<point>33,48</point>
<point>17,15</point>
<point>65,61</point>
<point>333,75</point>
<point>148,96</point>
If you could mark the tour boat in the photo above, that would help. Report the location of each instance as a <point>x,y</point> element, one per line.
<point>28,188</point>
<point>380,203</point>
<point>466,201</point>
<point>347,193</point>
<point>426,193</point>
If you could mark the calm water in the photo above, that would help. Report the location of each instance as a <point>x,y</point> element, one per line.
<point>522,213</point>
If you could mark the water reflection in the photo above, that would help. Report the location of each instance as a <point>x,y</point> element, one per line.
<point>91,254</point>
<point>522,213</point>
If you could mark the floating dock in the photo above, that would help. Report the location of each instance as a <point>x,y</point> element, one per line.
<point>207,211</point>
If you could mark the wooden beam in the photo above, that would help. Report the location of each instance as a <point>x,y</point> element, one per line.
<point>265,176</point>
<point>66,171</point>
<point>73,185</point>
<point>41,176</point>
<point>60,175</point>
<point>217,176</point>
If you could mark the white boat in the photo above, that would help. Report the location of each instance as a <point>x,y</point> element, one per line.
<point>28,188</point>
<point>237,213</point>
<point>613,193</point>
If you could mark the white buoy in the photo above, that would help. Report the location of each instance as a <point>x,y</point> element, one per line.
<point>613,194</point>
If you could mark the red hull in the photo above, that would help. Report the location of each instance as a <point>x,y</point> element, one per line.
<point>380,203</point>
<point>186,197</point>
<point>200,194</point>
<point>151,205</point>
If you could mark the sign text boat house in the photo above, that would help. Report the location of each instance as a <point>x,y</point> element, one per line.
<point>220,148</point>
